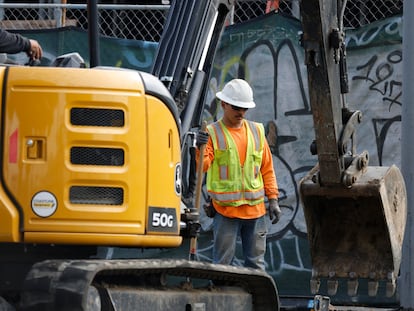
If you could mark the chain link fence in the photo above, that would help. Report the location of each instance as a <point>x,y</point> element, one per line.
<point>145,22</point>
<point>357,13</point>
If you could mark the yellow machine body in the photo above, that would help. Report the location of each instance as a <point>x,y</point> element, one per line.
<point>88,158</point>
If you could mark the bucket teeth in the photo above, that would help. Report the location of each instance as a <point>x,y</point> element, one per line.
<point>332,283</point>
<point>390,288</point>
<point>315,282</point>
<point>352,287</point>
<point>314,286</point>
<point>372,288</point>
<point>391,285</point>
<point>332,286</point>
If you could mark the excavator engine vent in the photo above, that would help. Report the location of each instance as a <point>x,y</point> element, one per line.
<point>96,195</point>
<point>97,117</point>
<point>97,156</point>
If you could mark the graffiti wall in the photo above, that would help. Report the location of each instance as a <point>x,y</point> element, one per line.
<point>113,51</point>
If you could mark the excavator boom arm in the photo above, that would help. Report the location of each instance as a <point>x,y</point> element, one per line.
<point>319,18</point>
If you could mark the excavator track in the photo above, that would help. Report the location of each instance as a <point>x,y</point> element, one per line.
<point>146,284</point>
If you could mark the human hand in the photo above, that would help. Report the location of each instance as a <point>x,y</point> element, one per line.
<point>274,210</point>
<point>202,138</point>
<point>35,51</point>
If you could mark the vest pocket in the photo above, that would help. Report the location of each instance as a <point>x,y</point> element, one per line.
<point>223,163</point>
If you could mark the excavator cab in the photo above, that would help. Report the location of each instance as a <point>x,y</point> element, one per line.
<point>355,213</point>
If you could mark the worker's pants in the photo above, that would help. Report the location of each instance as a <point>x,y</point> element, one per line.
<point>253,237</point>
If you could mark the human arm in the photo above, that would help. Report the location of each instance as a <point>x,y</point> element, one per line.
<point>268,174</point>
<point>270,183</point>
<point>12,43</point>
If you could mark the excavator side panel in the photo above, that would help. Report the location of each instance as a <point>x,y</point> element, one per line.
<point>90,158</point>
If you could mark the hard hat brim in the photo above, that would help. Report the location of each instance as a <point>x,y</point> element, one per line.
<point>220,95</point>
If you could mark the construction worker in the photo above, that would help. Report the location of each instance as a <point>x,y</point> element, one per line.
<point>240,174</point>
<point>12,43</point>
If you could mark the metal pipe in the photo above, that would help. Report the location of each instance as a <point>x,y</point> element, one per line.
<point>406,282</point>
<point>72,6</point>
<point>93,33</point>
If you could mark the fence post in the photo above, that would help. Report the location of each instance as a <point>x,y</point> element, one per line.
<point>93,33</point>
<point>1,11</point>
<point>57,15</point>
<point>63,12</point>
<point>296,8</point>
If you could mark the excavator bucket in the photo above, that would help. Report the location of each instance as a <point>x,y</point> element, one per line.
<point>356,232</point>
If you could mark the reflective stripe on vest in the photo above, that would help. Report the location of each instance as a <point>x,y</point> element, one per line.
<point>246,184</point>
<point>221,144</point>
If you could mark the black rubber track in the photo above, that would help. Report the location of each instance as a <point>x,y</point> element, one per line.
<point>63,285</point>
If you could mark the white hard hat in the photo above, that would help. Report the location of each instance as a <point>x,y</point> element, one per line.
<point>237,92</point>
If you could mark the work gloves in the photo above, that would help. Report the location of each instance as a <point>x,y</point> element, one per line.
<point>274,211</point>
<point>209,209</point>
<point>202,138</point>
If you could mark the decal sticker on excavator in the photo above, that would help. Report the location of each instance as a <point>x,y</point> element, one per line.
<point>162,219</point>
<point>178,179</point>
<point>44,204</point>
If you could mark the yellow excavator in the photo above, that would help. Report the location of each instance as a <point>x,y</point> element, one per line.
<point>91,159</point>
